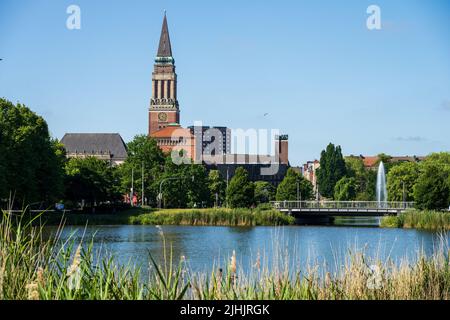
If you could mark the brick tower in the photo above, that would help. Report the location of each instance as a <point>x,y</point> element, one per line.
<point>164,108</point>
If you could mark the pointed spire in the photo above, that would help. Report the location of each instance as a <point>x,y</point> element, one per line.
<point>165,49</point>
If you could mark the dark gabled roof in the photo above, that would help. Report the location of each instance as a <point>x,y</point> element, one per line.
<point>164,49</point>
<point>96,143</point>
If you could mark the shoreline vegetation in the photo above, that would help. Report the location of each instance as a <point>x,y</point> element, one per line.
<point>37,269</point>
<point>193,217</point>
<point>414,219</point>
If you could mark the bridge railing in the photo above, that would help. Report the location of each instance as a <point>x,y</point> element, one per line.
<point>399,205</point>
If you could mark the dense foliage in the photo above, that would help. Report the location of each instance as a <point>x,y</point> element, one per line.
<point>432,190</point>
<point>90,181</point>
<point>144,156</point>
<point>401,180</point>
<point>332,169</point>
<point>287,190</point>
<point>240,192</point>
<point>31,163</point>
<point>217,187</point>
<point>264,192</point>
<point>364,180</point>
<point>345,189</point>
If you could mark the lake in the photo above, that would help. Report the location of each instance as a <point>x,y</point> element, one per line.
<point>205,247</point>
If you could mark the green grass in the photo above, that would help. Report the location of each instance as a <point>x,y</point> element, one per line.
<point>427,220</point>
<point>213,217</point>
<point>196,217</point>
<point>31,268</point>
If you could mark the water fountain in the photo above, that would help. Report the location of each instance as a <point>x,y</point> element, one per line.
<point>381,186</point>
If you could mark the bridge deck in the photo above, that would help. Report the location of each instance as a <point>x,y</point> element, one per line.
<point>341,208</point>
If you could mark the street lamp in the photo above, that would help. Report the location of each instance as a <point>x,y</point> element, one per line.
<point>142,185</point>
<point>143,192</point>
<point>299,194</point>
<point>132,187</point>
<point>404,195</point>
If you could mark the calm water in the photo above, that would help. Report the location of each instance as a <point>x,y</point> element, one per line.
<point>205,247</point>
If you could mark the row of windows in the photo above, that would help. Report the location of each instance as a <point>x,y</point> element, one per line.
<point>169,142</point>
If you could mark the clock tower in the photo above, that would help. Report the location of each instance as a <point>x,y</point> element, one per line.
<point>164,108</point>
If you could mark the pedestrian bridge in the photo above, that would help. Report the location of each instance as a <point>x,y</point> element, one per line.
<point>342,208</point>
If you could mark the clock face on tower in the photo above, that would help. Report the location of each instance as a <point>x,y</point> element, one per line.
<point>162,117</point>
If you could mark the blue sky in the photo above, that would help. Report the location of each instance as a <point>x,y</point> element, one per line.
<point>313,66</point>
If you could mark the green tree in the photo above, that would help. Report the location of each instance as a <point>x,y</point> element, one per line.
<point>402,175</point>
<point>332,169</point>
<point>175,185</point>
<point>3,188</point>
<point>143,155</point>
<point>387,161</point>
<point>365,179</point>
<point>184,185</point>
<point>287,189</point>
<point>217,187</point>
<point>432,190</point>
<point>345,189</point>
<point>385,158</point>
<point>91,180</point>
<point>264,192</point>
<point>32,163</point>
<point>240,190</point>
<point>440,158</point>
<point>196,177</point>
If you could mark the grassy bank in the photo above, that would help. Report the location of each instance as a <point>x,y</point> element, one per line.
<point>34,269</point>
<point>213,217</point>
<point>427,220</point>
<point>195,217</point>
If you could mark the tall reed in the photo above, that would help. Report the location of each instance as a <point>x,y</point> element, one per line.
<point>202,217</point>
<point>427,220</point>
<point>33,268</point>
<point>214,217</point>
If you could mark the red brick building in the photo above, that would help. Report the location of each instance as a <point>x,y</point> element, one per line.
<point>164,111</point>
<point>164,126</point>
<point>174,137</point>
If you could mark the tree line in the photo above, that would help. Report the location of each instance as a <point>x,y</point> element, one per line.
<point>427,183</point>
<point>34,170</point>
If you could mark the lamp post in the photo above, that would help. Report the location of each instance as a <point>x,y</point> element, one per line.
<point>226,201</point>
<point>299,194</point>
<point>132,187</point>
<point>404,195</point>
<point>143,192</point>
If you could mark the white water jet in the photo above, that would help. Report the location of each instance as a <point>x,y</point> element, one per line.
<point>381,186</point>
